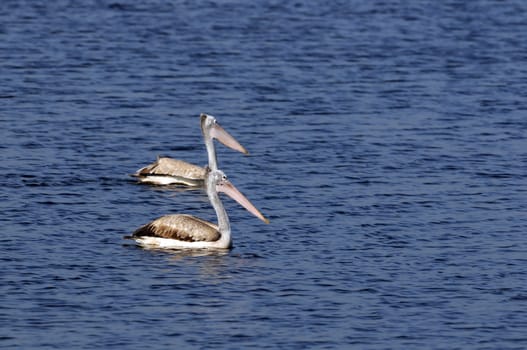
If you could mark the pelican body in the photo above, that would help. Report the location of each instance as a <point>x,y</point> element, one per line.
<point>168,171</point>
<point>181,231</point>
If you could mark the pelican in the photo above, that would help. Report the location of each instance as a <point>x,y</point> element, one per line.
<point>180,231</point>
<point>167,171</point>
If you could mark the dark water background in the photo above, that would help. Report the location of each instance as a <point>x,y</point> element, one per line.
<point>388,148</point>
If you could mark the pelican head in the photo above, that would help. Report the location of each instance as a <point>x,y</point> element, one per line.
<point>218,181</point>
<point>211,129</point>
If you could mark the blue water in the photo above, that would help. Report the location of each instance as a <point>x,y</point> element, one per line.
<point>387,146</point>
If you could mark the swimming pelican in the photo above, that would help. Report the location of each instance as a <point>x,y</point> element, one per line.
<point>179,231</point>
<point>167,171</point>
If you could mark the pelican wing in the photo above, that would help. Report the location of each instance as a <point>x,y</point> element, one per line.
<point>180,227</point>
<point>172,167</point>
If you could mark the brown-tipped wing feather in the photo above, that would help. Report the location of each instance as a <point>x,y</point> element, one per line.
<point>172,167</point>
<point>181,227</point>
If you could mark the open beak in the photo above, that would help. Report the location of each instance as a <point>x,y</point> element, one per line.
<point>224,137</point>
<point>228,188</point>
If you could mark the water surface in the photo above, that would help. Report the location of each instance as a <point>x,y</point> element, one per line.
<point>387,145</point>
